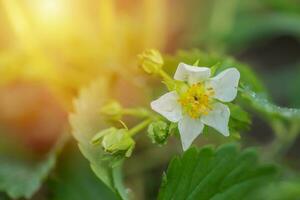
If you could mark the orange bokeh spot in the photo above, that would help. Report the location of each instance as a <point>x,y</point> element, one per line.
<point>32,114</point>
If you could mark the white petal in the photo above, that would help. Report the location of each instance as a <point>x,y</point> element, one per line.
<point>225,84</point>
<point>168,106</point>
<point>218,118</point>
<point>191,74</point>
<point>189,129</point>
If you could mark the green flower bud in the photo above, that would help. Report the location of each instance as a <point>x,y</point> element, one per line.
<point>151,61</point>
<point>158,132</point>
<point>115,141</point>
<point>99,136</point>
<point>112,109</point>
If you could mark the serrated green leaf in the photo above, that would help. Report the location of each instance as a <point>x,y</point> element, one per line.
<point>21,177</point>
<point>211,174</point>
<point>86,122</point>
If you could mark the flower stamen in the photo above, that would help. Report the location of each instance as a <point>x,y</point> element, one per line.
<point>196,101</point>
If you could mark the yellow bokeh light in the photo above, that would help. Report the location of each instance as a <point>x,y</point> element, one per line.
<point>49,10</point>
<point>67,43</point>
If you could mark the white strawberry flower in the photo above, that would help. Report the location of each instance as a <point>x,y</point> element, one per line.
<point>200,103</point>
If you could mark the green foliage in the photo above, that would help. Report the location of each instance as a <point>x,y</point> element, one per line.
<point>3,196</point>
<point>253,93</point>
<point>239,119</point>
<point>283,190</point>
<point>219,174</point>
<point>263,105</point>
<point>265,25</point>
<point>22,177</point>
<point>218,64</point>
<point>224,26</point>
<point>74,180</point>
<point>86,122</point>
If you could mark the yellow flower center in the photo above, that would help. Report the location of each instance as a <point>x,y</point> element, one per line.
<point>196,101</point>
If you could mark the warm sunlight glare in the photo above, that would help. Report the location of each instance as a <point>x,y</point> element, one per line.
<point>49,10</point>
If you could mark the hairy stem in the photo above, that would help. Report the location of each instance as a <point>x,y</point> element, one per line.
<point>140,127</point>
<point>137,112</point>
<point>285,137</point>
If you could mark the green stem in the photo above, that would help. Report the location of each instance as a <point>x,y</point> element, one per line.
<point>165,76</point>
<point>285,138</point>
<point>167,80</point>
<point>137,112</point>
<point>139,127</point>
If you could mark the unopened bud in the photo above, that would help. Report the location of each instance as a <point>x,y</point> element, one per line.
<point>158,132</point>
<point>115,141</point>
<point>113,110</point>
<point>151,61</point>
